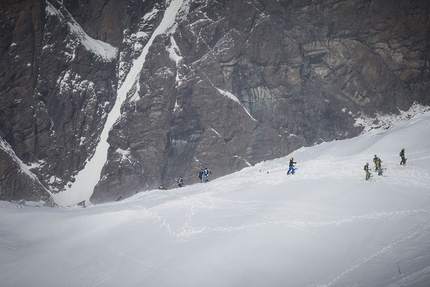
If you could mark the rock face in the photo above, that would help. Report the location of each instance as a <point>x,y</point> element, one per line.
<point>229,84</point>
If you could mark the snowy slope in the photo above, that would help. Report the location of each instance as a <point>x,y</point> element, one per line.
<point>324,226</point>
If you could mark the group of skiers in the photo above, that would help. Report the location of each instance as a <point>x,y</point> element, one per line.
<point>376,160</point>
<point>202,175</point>
<point>378,164</point>
<point>378,167</point>
<point>179,182</point>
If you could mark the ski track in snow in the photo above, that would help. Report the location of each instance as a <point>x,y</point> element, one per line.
<point>379,253</point>
<point>410,280</point>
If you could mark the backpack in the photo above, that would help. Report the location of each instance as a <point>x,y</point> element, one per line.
<point>364,167</point>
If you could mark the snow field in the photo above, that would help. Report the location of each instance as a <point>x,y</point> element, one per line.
<point>323,226</point>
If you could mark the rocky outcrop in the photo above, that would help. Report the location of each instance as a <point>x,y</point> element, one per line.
<point>232,83</point>
<point>257,80</point>
<point>55,93</point>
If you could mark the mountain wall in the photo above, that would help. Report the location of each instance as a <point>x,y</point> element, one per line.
<point>227,85</point>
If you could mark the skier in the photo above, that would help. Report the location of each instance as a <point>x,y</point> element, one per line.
<point>366,169</point>
<point>402,155</point>
<point>379,170</point>
<point>200,175</point>
<point>180,182</point>
<point>161,186</point>
<point>291,166</point>
<point>207,172</point>
<point>377,162</point>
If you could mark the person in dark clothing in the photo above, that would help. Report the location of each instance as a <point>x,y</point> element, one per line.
<point>180,182</point>
<point>207,172</point>
<point>402,155</point>
<point>366,169</point>
<point>377,162</point>
<point>291,166</point>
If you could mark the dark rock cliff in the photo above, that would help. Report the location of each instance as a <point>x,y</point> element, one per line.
<point>232,83</point>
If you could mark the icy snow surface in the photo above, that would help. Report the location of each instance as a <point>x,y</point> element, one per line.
<point>324,226</point>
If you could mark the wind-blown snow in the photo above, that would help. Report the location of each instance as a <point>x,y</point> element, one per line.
<point>104,50</point>
<point>88,178</point>
<point>174,54</point>
<point>385,121</point>
<point>23,168</point>
<point>324,226</point>
<point>234,98</point>
<point>100,48</point>
<point>9,151</point>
